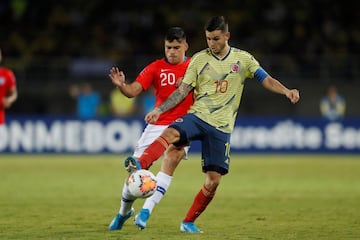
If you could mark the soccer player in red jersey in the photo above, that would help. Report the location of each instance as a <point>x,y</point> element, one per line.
<point>8,91</point>
<point>165,76</point>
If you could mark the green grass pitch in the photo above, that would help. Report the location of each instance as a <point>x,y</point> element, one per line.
<point>263,197</point>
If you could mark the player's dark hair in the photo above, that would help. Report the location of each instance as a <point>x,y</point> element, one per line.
<point>175,33</point>
<point>217,23</point>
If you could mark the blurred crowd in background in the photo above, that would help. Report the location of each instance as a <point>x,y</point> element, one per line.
<point>54,44</point>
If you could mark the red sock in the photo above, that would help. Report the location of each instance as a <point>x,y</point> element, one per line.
<point>153,152</point>
<point>201,201</point>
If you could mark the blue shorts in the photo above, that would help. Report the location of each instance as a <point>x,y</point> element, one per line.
<point>215,144</point>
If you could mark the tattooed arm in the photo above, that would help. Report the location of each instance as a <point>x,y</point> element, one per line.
<point>176,97</point>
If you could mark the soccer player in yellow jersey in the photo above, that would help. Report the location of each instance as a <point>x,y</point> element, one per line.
<point>216,75</point>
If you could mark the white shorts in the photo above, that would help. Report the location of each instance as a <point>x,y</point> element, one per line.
<point>150,133</point>
<point>3,137</point>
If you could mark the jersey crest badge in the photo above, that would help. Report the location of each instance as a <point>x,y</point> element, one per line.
<point>235,68</point>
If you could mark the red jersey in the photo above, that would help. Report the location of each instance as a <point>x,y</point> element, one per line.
<point>7,81</point>
<point>164,76</point>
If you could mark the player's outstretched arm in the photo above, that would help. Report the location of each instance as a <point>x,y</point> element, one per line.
<point>118,79</point>
<point>175,98</point>
<point>274,85</point>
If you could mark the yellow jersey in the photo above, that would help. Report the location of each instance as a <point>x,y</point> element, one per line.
<point>218,85</point>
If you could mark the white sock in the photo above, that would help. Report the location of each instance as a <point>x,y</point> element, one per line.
<point>127,200</point>
<point>163,183</point>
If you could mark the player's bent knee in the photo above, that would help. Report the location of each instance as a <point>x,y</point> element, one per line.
<point>171,135</point>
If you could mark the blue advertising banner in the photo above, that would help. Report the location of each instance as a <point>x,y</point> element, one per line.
<point>264,134</point>
<point>47,134</point>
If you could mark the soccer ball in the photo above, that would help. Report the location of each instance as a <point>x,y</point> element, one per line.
<point>142,183</point>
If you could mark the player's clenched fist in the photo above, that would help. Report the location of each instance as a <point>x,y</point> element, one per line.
<point>294,95</point>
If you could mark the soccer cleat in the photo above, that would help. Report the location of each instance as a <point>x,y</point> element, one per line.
<point>189,227</point>
<point>132,164</point>
<point>119,220</point>
<point>141,218</point>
